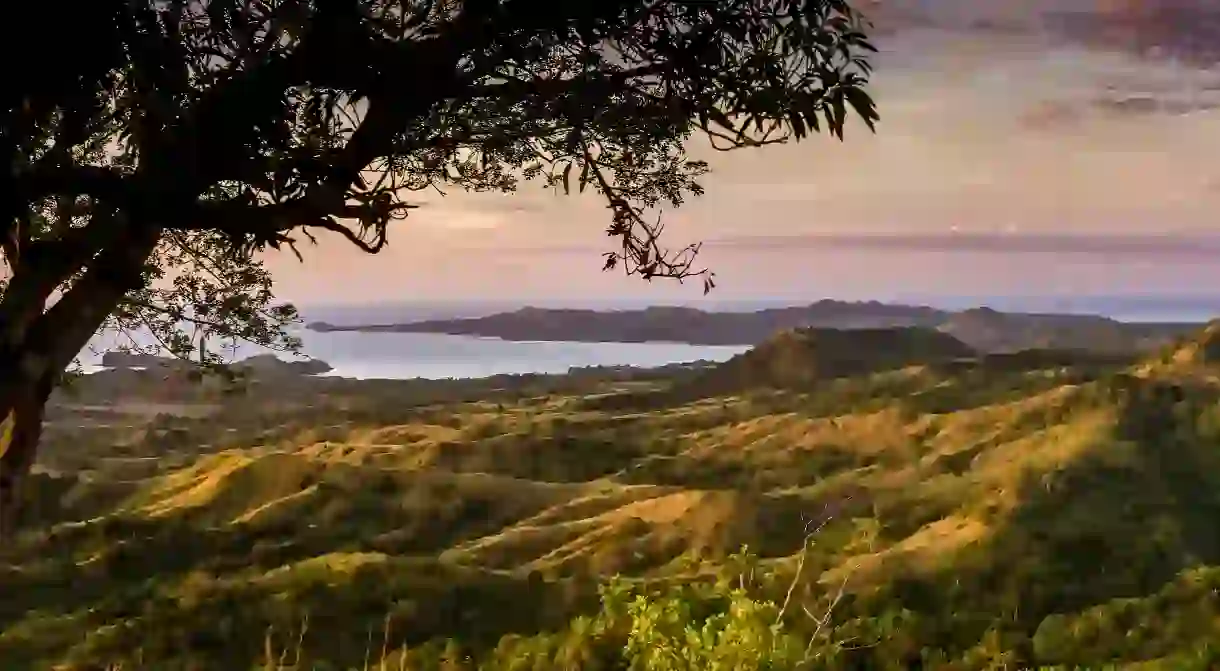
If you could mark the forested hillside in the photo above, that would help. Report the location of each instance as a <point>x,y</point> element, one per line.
<point>1025,510</point>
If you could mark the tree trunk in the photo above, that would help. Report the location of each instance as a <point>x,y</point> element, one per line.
<point>24,429</point>
<point>30,365</point>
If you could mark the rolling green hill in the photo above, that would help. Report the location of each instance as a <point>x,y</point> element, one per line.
<point>1004,511</point>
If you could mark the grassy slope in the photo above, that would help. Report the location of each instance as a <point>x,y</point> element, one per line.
<point>1017,506</point>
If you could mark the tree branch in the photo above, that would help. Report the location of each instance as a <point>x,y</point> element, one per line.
<point>106,184</point>
<point>42,268</point>
<point>317,209</point>
<point>59,334</point>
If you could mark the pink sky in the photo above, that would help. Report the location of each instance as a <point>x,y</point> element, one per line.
<point>1010,134</point>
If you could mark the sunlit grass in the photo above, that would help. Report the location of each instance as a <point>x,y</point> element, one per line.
<point>1011,514</point>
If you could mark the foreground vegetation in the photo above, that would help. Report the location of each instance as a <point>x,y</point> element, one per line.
<point>1017,511</point>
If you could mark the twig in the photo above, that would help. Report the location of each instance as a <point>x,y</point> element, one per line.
<point>385,641</point>
<point>296,662</point>
<point>809,534</point>
<point>800,566</point>
<point>825,616</point>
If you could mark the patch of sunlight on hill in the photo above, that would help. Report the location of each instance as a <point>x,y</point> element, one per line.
<point>1195,356</point>
<point>643,528</point>
<point>266,489</point>
<point>407,434</point>
<point>927,550</point>
<point>228,485</point>
<point>328,568</point>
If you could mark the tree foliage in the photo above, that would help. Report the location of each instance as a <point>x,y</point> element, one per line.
<point>154,148</point>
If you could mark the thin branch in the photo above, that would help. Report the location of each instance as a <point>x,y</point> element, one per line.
<point>808,540</point>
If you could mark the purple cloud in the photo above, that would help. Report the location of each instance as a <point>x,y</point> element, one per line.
<point>1145,246</point>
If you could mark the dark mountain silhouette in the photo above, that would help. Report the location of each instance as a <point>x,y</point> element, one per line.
<point>983,329</point>
<point>800,358</point>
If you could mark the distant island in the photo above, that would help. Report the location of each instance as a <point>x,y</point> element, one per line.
<point>982,328</point>
<point>260,364</point>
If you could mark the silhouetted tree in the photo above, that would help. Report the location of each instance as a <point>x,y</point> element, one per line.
<point>154,148</point>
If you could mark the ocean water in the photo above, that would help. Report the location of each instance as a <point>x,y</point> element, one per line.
<point>435,356</point>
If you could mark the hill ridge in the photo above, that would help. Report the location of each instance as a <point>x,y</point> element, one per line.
<point>981,327</point>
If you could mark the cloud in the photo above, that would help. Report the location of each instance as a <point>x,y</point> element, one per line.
<point>460,210</point>
<point>1120,59</point>
<point>1142,246</point>
<point>498,203</point>
<point>1147,247</point>
<point>1114,104</point>
<point>1184,30</point>
<point>1181,30</point>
